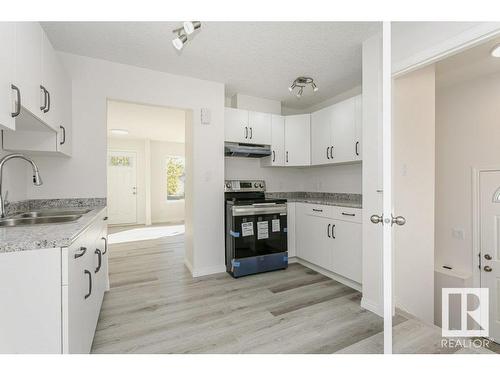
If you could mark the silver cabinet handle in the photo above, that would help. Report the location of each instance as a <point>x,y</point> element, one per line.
<point>274,157</point>
<point>64,135</point>
<point>327,152</point>
<point>18,101</point>
<point>287,156</point>
<point>45,100</point>
<point>317,210</point>
<point>99,257</point>
<point>331,152</point>
<point>346,214</point>
<point>356,148</point>
<point>487,269</point>
<point>105,245</point>
<point>333,231</point>
<point>48,102</point>
<point>328,230</point>
<point>251,132</point>
<point>90,284</point>
<point>246,132</point>
<point>82,252</point>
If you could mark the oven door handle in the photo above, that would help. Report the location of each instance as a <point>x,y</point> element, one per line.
<point>253,210</point>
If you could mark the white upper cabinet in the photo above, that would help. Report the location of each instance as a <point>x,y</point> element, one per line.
<point>321,139</point>
<point>277,157</point>
<point>29,66</point>
<point>259,125</point>
<point>51,82</point>
<point>298,140</point>
<point>358,117</point>
<point>244,126</point>
<point>7,75</point>
<point>343,131</point>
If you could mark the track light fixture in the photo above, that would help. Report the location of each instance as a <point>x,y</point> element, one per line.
<point>188,27</point>
<point>302,82</point>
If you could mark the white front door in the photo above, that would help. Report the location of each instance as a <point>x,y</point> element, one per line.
<point>489,185</point>
<point>122,191</point>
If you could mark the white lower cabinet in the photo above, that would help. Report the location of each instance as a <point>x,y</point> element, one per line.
<point>291,242</point>
<point>53,305</point>
<point>330,237</point>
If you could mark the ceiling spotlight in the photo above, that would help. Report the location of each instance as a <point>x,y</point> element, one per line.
<point>187,28</point>
<point>495,52</point>
<point>119,131</point>
<point>191,26</point>
<point>302,82</point>
<point>179,41</point>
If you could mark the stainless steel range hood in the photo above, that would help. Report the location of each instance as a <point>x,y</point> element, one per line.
<point>246,150</point>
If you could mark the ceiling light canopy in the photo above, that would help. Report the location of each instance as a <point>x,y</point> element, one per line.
<point>495,52</point>
<point>302,82</point>
<point>188,27</point>
<point>119,131</point>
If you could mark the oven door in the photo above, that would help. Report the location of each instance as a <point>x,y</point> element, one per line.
<point>259,229</point>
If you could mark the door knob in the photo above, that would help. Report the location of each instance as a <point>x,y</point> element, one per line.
<point>399,220</point>
<point>375,219</point>
<point>487,269</point>
<point>487,256</point>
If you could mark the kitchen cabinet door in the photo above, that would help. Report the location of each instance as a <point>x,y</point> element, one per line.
<point>259,125</point>
<point>343,131</point>
<point>277,157</point>
<point>236,125</point>
<point>291,236</point>
<point>358,119</point>
<point>51,80</point>
<point>321,140</point>
<point>347,250</point>
<point>64,106</point>
<point>298,140</point>
<point>312,239</point>
<point>7,74</point>
<point>28,65</point>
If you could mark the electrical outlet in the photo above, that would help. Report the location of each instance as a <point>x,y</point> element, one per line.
<point>458,233</point>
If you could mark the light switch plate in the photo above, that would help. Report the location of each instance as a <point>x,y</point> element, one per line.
<point>205,116</point>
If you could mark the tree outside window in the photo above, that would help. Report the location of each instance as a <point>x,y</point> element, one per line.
<point>175,178</point>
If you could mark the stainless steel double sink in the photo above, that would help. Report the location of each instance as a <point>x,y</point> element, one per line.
<point>46,216</point>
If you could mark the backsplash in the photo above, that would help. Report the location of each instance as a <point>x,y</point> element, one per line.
<point>36,204</point>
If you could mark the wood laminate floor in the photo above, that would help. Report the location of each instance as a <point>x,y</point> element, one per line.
<point>155,306</point>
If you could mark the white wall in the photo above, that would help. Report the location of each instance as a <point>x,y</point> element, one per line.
<point>15,178</point>
<point>372,175</point>
<point>413,180</point>
<point>163,211</point>
<point>136,145</point>
<point>253,103</point>
<point>84,175</point>
<point>467,136</point>
<point>332,179</point>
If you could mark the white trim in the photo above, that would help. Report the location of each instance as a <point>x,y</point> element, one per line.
<point>332,275</point>
<point>188,265</point>
<point>476,220</point>
<point>372,306</point>
<point>450,46</point>
<point>387,184</point>
<point>205,271</point>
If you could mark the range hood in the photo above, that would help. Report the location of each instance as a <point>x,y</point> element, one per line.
<point>246,150</point>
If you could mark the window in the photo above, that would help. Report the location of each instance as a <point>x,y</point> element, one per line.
<point>175,178</point>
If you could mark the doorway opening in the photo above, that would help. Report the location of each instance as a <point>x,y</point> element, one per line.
<point>146,171</point>
<point>445,159</point>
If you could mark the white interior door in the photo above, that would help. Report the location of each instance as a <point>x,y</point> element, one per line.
<point>489,186</point>
<point>122,187</point>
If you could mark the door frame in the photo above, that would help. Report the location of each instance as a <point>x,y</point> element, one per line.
<point>107,177</point>
<point>476,221</point>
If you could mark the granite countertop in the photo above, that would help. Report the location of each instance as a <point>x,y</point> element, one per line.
<point>329,199</point>
<point>45,236</point>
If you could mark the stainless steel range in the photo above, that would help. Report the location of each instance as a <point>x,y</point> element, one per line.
<point>256,229</point>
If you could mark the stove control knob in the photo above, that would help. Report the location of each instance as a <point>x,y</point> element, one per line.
<point>228,185</point>
<point>261,185</point>
<point>255,185</point>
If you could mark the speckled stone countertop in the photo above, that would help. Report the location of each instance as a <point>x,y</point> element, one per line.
<point>45,236</point>
<point>329,199</point>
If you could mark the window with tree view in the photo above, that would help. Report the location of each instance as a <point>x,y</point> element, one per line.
<point>175,178</point>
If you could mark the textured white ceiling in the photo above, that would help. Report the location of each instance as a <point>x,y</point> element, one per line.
<point>254,58</point>
<point>472,63</point>
<point>146,121</point>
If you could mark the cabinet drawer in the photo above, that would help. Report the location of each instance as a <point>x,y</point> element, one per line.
<point>315,209</point>
<point>353,215</point>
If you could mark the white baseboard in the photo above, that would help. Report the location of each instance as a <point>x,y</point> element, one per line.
<point>372,306</point>
<point>331,275</point>
<point>205,271</point>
